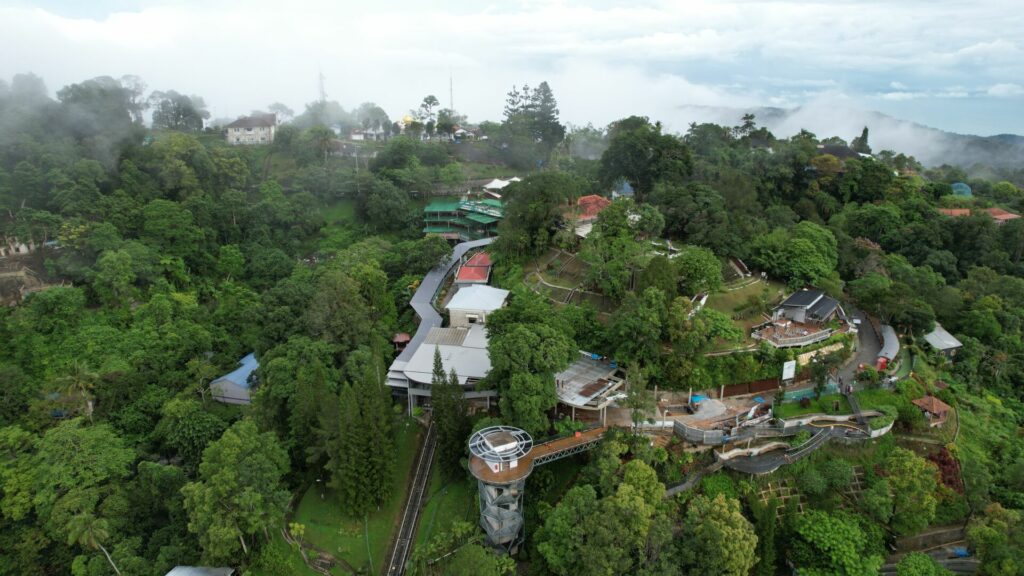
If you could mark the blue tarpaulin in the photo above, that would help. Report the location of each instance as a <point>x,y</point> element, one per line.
<point>698,398</point>
<point>759,399</point>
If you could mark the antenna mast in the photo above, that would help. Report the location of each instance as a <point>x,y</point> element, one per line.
<point>323,93</point>
<point>451,93</point>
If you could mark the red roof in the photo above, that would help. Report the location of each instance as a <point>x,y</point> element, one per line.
<point>592,205</point>
<point>955,211</point>
<point>1000,214</point>
<point>401,338</point>
<point>932,405</point>
<point>479,259</point>
<point>473,274</point>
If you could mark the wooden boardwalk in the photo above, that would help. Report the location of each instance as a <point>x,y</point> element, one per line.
<point>540,454</point>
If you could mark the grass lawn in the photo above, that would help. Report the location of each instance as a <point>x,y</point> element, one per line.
<point>727,302</point>
<point>448,500</point>
<point>871,399</point>
<point>821,406</point>
<point>330,529</point>
<point>291,563</point>
<point>477,170</point>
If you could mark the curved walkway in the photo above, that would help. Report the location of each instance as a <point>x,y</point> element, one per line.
<point>423,300</point>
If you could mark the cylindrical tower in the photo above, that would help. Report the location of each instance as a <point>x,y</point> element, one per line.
<point>499,459</point>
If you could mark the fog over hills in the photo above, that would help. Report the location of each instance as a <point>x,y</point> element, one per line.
<point>826,117</point>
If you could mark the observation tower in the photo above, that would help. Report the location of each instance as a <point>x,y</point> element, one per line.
<point>500,463</point>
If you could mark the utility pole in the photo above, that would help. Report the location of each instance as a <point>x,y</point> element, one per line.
<point>451,93</point>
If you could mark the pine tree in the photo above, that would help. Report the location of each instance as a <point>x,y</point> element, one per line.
<point>513,104</point>
<point>348,460</point>
<point>767,517</point>
<point>376,417</point>
<point>860,143</point>
<point>450,418</point>
<point>544,116</point>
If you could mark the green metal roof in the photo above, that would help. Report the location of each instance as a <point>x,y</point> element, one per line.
<point>441,206</point>
<point>482,219</point>
<point>492,202</point>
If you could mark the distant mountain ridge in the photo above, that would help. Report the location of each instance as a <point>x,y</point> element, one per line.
<point>930,146</point>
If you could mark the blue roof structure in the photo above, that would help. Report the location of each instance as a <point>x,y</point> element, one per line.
<point>623,189</point>
<point>240,376</point>
<point>961,189</point>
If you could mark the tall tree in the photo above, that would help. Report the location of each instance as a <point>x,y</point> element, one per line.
<point>174,111</point>
<point>89,531</point>
<point>716,539</point>
<point>641,154</point>
<point>860,143</point>
<point>450,417</point>
<point>913,484</point>
<point>239,492</point>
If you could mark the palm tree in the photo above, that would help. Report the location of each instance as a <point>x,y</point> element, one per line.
<point>79,381</point>
<point>89,531</point>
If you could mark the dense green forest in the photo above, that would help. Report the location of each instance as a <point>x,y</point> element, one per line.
<point>171,255</point>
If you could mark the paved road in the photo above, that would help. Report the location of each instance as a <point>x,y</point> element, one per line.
<point>868,348</point>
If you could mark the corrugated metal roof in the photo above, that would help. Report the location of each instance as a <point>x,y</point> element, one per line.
<point>240,376</point>
<point>803,298</point>
<point>890,343</point>
<point>466,353</point>
<point>478,297</point>
<point>200,571</point>
<point>940,339</point>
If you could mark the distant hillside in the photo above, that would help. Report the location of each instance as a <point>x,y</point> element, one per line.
<point>929,145</point>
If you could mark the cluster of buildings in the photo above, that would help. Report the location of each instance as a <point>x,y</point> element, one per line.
<point>463,220</point>
<point>998,215</point>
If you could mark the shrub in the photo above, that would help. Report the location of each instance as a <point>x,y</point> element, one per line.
<point>800,438</point>
<point>888,416</point>
<point>718,483</point>
<point>910,417</point>
<point>812,483</point>
<point>837,472</point>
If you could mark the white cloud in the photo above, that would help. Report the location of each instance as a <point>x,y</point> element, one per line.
<point>647,58</point>
<point>1006,90</point>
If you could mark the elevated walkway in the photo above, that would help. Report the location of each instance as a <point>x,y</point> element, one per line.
<point>539,455</point>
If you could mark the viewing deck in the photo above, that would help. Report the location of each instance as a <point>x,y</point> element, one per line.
<point>540,454</point>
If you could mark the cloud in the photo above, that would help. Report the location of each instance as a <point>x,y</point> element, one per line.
<point>603,59</point>
<point>1006,90</point>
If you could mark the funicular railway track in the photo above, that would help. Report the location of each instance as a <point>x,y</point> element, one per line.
<point>403,543</point>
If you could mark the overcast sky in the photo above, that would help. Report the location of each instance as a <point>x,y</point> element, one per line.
<point>954,65</point>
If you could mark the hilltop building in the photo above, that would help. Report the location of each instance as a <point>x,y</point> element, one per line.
<point>235,387</point>
<point>801,319</point>
<point>474,270</point>
<point>998,215</point>
<point>252,130</point>
<point>935,411</point>
<point>943,341</point>
<point>462,345</point>
<point>463,220</point>
<point>585,213</point>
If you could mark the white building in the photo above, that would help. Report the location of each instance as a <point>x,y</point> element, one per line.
<point>252,130</point>
<point>471,304</point>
